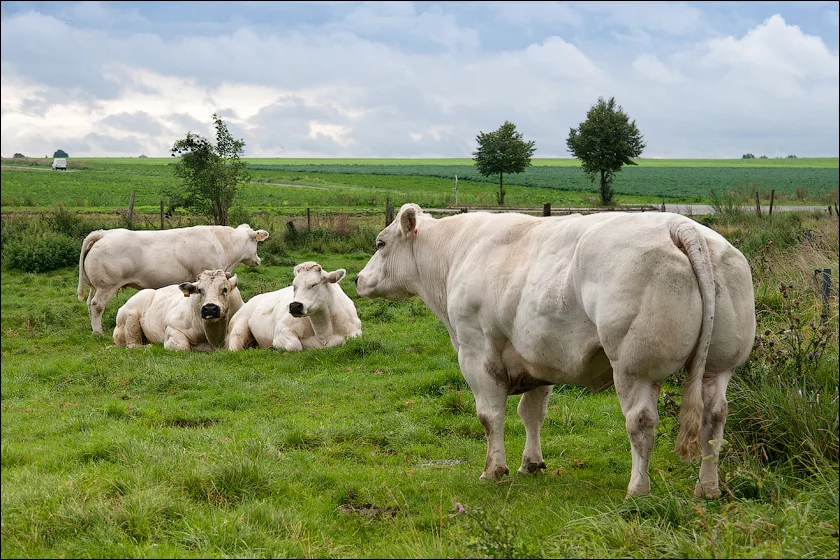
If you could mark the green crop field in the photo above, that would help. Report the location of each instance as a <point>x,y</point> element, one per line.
<point>103,183</point>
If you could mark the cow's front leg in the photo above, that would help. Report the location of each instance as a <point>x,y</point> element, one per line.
<point>490,398</point>
<point>175,340</point>
<point>532,408</point>
<point>286,339</point>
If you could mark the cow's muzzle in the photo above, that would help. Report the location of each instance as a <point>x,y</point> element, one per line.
<point>210,311</point>
<point>296,309</point>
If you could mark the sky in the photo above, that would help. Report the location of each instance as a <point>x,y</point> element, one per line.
<point>416,79</point>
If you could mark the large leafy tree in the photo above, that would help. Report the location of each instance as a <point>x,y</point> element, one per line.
<point>604,142</point>
<point>502,151</point>
<point>211,174</point>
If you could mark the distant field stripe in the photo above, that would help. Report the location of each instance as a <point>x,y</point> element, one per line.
<point>822,162</point>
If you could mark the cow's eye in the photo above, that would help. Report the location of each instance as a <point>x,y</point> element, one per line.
<point>224,291</point>
<point>380,244</point>
<point>311,286</point>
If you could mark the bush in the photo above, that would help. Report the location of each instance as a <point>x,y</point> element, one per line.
<point>40,253</point>
<point>784,401</point>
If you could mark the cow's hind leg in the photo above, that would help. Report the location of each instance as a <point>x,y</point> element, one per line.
<point>532,409</point>
<point>96,302</point>
<point>715,410</point>
<point>132,330</point>
<point>638,398</point>
<point>240,337</point>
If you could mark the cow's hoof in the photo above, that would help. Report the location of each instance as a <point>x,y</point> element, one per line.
<point>710,492</point>
<point>495,474</point>
<point>531,468</point>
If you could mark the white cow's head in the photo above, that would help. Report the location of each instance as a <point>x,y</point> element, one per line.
<point>250,257</point>
<point>213,289</point>
<point>392,269</point>
<point>311,288</point>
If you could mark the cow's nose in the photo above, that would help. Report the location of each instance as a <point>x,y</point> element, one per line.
<point>210,311</point>
<point>296,308</point>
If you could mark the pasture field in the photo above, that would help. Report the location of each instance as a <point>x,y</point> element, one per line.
<point>365,185</point>
<point>372,449</point>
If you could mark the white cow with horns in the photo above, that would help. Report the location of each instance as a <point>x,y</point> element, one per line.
<point>186,316</point>
<point>612,298</point>
<point>314,312</point>
<point>114,258</point>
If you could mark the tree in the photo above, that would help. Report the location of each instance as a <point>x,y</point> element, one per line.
<point>502,151</point>
<point>60,153</point>
<point>748,156</point>
<point>605,142</point>
<point>211,174</point>
<point>18,155</point>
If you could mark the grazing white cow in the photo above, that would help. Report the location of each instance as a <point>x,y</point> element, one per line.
<point>186,316</point>
<point>612,298</point>
<point>314,312</point>
<point>114,258</point>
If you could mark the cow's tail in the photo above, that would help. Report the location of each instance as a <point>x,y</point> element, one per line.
<point>91,238</point>
<point>686,236</point>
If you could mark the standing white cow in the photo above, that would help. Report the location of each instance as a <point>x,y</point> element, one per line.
<point>613,298</point>
<point>115,258</point>
<point>314,312</point>
<point>186,316</point>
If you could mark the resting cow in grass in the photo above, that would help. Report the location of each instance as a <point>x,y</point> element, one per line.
<point>314,312</point>
<point>186,316</point>
<point>612,298</point>
<point>115,258</point>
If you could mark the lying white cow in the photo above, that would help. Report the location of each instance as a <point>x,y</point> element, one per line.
<point>115,258</point>
<point>314,312</point>
<point>187,316</point>
<point>612,298</point>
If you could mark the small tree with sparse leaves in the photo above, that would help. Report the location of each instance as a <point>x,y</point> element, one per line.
<point>211,174</point>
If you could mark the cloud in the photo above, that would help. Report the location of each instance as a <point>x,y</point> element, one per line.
<point>412,80</point>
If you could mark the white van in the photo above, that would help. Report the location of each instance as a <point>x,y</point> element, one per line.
<point>59,163</point>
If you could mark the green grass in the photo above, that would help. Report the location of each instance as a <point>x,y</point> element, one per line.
<point>369,448</point>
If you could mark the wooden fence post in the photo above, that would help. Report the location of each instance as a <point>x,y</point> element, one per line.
<point>308,221</point>
<point>826,293</point>
<point>161,215</point>
<point>772,194</point>
<point>389,211</point>
<point>546,209</point>
<point>131,206</point>
<point>757,205</point>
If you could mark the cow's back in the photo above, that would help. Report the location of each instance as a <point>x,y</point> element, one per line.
<point>153,259</point>
<point>593,278</point>
<point>260,313</point>
<point>159,311</point>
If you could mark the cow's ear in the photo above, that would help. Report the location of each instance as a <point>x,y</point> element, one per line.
<point>261,235</point>
<point>188,288</point>
<point>408,221</point>
<point>336,275</point>
<point>233,281</point>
